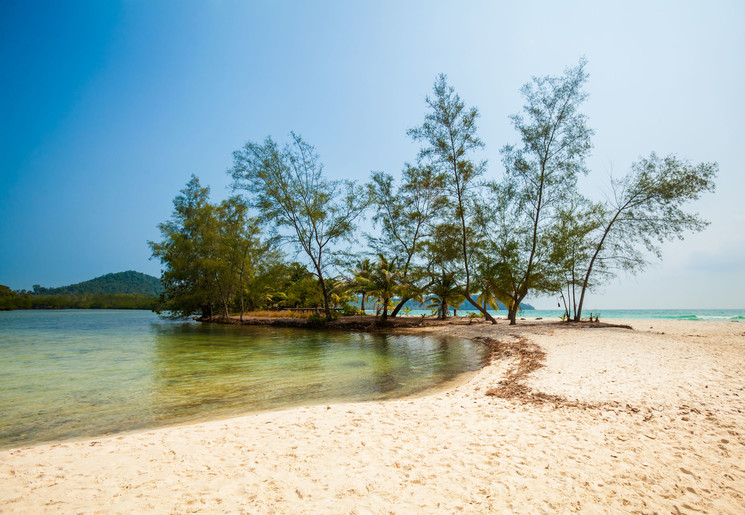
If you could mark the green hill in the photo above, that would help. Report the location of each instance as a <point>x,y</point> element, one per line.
<point>130,282</point>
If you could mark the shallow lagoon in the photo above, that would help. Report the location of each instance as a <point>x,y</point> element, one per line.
<point>76,373</point>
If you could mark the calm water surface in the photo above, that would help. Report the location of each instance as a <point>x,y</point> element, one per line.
<point>75,373</point>
<point>703,315</point>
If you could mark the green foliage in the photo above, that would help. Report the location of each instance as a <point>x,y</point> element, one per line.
<point>646,208</point>
<point>406,217</point>
<point>10,300</point>
<point>213,256</point>
<point>348,310</point>
<point>450,135</point>
<point>286,185</point>
<point>317,321</point>
<point>571,244</point>
<point>130,282</point>
<point>541,175</point>
<point>383,282</point>
<point>445,293</point>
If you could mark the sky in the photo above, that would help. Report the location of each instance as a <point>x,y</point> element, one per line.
<point>107,108</point>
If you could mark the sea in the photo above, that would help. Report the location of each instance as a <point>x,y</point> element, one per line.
<point>67,374</point>
<point>702,315</point>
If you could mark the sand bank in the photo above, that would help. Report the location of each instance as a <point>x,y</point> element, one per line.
<point>649,420</point>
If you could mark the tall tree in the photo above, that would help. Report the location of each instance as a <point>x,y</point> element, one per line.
<point>449,132</point>
<point>645,210</point>
<point>405,215</point>
<point>242,253</point>
<point>188,242</point>
<point>541,174</point>
<point>288,188</point>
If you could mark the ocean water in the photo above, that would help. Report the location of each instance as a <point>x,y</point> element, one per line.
<point>78,373</point>
<point>725,315</point>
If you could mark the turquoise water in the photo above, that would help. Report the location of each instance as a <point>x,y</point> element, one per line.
<point>75,373</point>
<point>733,315</point>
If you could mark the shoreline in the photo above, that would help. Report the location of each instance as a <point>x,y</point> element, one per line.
<point>611,420</point>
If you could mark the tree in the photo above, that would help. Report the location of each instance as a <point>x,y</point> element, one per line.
<point>645,210</point>
<point>383,282</point>
<point>359,283</point>
<point>449,130</point>
<point>540,176</point>
<point>188,241</point>
<point>405,217</point>
<point>242,253</point>
<point>295,287</point>
<point>211,254</point>
<point>572,245</point>
<point>445,292</point>
<point>287,187</point>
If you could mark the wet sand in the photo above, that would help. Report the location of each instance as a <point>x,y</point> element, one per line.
<point>563,419</point>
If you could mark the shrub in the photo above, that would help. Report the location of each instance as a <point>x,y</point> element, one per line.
<point>317,321</point>
<point>348,310</point>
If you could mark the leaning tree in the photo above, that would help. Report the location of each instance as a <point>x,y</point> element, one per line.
<point>645,209</point>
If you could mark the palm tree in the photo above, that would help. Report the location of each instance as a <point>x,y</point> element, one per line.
<point>497,286</point>
<point>383,282</point>
<point>445,292</point>
<point>361,275</point>
<point>340,292</point>
<point>487,299</point>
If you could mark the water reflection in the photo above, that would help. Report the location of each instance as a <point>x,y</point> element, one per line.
<point>71,374</point>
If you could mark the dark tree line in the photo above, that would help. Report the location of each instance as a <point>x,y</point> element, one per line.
<point>444,231</point>
<point>10,300</point>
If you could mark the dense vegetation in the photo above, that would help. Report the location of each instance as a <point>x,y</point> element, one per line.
<point>10,299</point>
<point>129,282</point>
<point>444,232</point>
<point>123,290</point>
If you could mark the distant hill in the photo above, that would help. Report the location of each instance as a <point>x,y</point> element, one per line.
<point>130,282</point>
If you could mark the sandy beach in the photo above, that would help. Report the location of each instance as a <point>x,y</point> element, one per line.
<point>564,419</point>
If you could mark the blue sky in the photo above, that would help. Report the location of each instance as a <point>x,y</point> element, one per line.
<point>108,107</point>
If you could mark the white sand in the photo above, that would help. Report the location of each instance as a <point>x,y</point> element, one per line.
<point>668,436</point>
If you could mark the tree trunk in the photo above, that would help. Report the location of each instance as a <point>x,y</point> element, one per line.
<point>326,301</point>
<point>512,314</point>
<point>578,314</point>
<point>243,306</point>
<point>395,311</point>
<point>483,310</point>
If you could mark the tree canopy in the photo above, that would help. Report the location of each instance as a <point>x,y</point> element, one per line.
<point>443,231</point>
<point>287,187</point>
